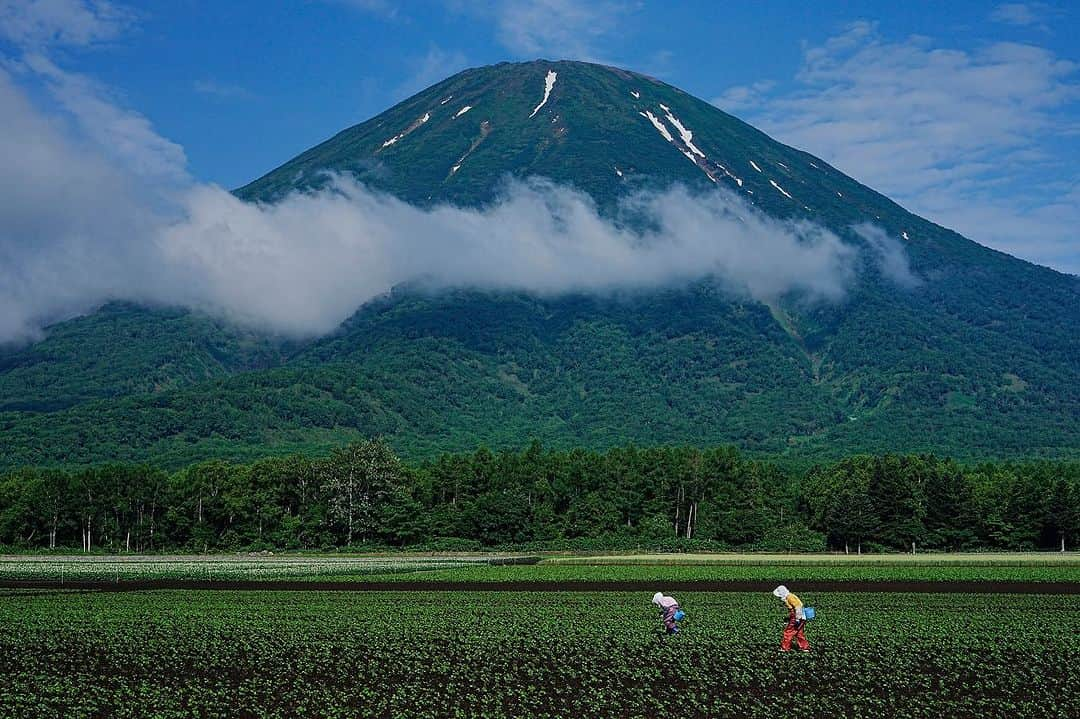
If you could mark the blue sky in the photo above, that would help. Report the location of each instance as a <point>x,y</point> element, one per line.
<point>966,112</point>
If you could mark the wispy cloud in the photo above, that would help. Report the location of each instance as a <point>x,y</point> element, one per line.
<point>221,90</point>
<point>381,8</point>
<point>1032,14</point>
<point>743,97</point>
<point>888,255</point>
<point>966,138</point>
<point>123,134</point>
<point>39,29</point>
<point>37,24</point>
<point>433,66</point>
<point>554,29</point>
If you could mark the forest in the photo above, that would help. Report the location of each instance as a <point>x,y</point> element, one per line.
<point>363,497</point>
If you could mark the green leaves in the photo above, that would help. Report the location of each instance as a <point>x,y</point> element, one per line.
<point>507,654</point>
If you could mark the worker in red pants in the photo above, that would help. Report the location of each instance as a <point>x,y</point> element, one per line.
<point>795,623</point>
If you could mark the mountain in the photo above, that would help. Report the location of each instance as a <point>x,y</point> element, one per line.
<point>980,358</point>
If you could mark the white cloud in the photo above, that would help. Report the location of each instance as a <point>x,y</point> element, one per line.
<point>47,23</point>
<point>304,265</point>
<point>74,227</point>
<point>965,138</point>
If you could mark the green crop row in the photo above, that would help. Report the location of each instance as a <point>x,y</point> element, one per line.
<point>491,654</point>
<point>473,569</point>
<point>780,571</point>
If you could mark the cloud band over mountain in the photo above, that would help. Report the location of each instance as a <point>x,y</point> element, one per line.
<point>84,226</point>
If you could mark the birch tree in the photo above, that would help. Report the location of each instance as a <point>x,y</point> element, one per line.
<point>356,480</point>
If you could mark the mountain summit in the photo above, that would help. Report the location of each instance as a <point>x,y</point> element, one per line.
<point>976,353</point>
<point>598,128</point>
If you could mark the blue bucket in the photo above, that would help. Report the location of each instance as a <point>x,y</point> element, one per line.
<point>679,614</point>
<point>809,613</point>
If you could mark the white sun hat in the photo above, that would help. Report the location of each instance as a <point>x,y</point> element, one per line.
<point>781,592</point>
<point>657,597</point>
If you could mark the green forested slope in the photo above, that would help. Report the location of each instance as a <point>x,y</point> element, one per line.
<point>122,350</point>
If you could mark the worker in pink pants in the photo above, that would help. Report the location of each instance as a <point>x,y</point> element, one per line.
<point>670,613</point>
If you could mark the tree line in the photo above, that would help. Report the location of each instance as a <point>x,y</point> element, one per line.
<point>672,498</point>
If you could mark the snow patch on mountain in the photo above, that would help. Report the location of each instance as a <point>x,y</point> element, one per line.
<point>485,130</point>
<point>689,150</point>
<point>636,94</point>
<point>462,111</point>
<point>660,127</point>
<point>782,190</point>
<point>754,165</point>
<point>549,82</point>
<point>738,180</point>
<point>416,123</point>
<point>686,135</point>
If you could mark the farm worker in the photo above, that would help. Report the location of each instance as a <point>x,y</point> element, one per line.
<point>796,620</point>
<point>669,611</point>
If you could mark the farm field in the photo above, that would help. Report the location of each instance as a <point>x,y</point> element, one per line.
<point>59,571</point>
<point>511,654</point>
